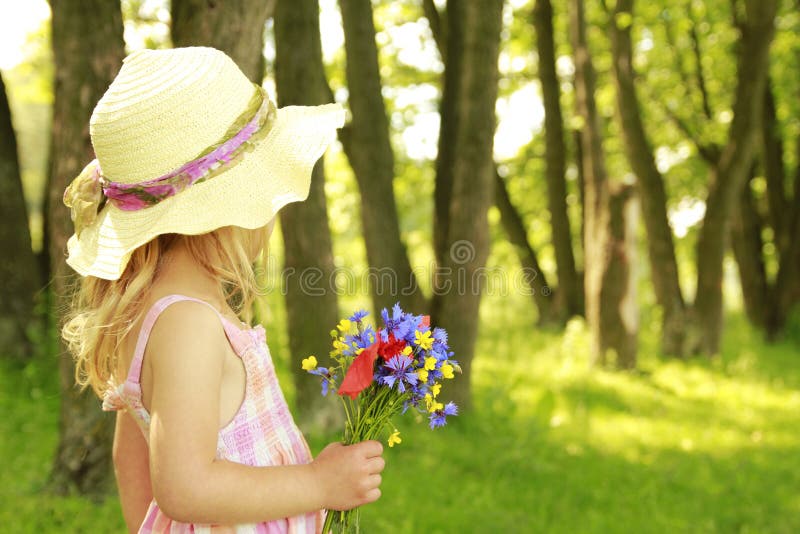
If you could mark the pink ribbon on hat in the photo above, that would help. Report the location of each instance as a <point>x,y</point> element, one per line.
<point>88,193</point>
<point>135,196</point>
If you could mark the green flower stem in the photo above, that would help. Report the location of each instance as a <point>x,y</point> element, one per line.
<point>367,417</point>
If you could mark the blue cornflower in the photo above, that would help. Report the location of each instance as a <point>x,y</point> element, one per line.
<point>325,373</point>
<point>358,315</point>
<point>440,336</point>
<point>400,324</point>
<point>363,339</point>
<point>400,373</point>
<point>439,417</point>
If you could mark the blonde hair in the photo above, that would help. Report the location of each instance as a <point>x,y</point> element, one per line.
<point>103,311</point>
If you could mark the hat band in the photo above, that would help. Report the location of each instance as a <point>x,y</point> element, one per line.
<point>88,193</point>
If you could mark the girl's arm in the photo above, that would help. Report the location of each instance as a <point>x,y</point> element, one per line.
<point>132,470</point>
<point>185,354</point>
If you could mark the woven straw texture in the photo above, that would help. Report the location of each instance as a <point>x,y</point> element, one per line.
<point>161,111</point>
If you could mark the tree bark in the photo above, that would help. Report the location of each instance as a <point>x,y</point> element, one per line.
<point>18,265</point>
<point>704,328</point>
<point>774,172</point>
<point>570,290</point>
<point>619,323</point>
<point>235,26</point>
<point>311,304</point>
<point>464,176</point>
<point>366,143</point>
<point>607,275</point>
<point>551,308</point>
<point>787,281</point>
<point>747,250</point>
<point>87,50</point>
<point>639,151</point>
<point>535,278</point>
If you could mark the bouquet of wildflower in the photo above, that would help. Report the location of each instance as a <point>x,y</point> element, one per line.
<point>380,374</point>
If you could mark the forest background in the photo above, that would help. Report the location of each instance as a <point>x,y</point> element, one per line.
<point>600,201</point>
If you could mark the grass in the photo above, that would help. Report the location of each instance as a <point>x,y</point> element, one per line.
<point>552,445</point>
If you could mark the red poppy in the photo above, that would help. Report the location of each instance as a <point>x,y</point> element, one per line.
<point>359,375</point>
<point>391,347</point>
<point>426,321</point>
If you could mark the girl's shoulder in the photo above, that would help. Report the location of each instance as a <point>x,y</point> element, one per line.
<point>172,319</point>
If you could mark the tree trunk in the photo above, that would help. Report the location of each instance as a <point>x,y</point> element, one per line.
<point>639,151</point>
<point>747,250</point>
<point>570,290</point>
<point>311,304</point>
<point>774,172</point>
<point>464,176</point>
<point>366,142</point>
<point>236,27</point>
<point>87,52</point>
<point>18,267</point>
<point>551,308</point>
<point>704,330</point>
<point>535,278</point>
<point>607,276</point>
<point>619,315</point>
<point>787,281</point>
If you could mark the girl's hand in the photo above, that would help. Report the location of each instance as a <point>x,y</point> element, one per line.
<point>349,475</point>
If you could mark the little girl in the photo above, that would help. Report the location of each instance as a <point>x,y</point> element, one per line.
<point>193,163</point>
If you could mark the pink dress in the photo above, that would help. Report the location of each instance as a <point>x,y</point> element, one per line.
<point>262,432</point>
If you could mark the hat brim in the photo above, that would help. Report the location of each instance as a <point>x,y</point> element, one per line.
<point>249,194</point>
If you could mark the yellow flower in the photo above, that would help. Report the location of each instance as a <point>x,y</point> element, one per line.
<point>339,345</point>
<point>406,350</point>
<point>334,333</point>
<point>430,363</point>
<point>395,438</point>
<point>423,375</point>
<point>424,340</point>
<point>436,388</point>
<point>431,404</point>
<point>344,325</point>
<point>447,370</point>
<point>310,363</point>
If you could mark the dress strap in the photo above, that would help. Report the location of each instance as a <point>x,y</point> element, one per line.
<point>135,371</point>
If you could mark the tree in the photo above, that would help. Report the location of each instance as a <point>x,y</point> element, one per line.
<point>87,49</point>
<point>650,183</point>
<point>235,27</point>
<point>768,301</point>
<point>18,268</point>
<point>311,304</point>
<point>550,311</point>
<point>608,248</point>
<point>730,170</point>
<point>570,288</point>
<point>464,175</point>
<point>553,304</point>
<point>728,163</point>
<point>366,143</point>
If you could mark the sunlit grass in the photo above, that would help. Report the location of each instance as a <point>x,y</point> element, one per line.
<point>552,445</point>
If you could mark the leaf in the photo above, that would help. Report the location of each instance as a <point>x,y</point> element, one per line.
<point>623,20</point>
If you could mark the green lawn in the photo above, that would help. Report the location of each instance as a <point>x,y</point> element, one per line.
<point>552,445</point>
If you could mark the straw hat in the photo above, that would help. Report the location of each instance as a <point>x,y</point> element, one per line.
<point>185,143</point>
